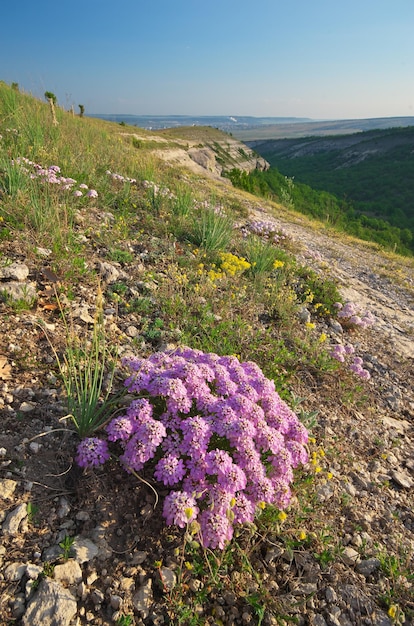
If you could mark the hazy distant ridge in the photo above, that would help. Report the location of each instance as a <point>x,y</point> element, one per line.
<point>249,128</point>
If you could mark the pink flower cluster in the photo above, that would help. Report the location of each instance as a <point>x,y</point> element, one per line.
<point>218,434</point>
<point>266,229</point>
<point>341,352</point>
<point>351,315</point>
<point>120,178</point>
<point>52,176</point>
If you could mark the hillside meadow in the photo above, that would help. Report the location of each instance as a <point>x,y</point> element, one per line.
<point>198,425</point>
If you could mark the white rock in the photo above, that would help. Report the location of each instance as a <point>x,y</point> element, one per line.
<point>84,549</point>
<point>69,572</point>
<point>51,605</point>
<point>14,519</point>
<point>7,487</point>
<point>350,556</point>
<point>143,598</point>
<point>15,571</point>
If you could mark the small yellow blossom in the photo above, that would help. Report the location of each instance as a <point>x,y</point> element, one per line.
<point>392,611</point>
<point>277,264</point>
<point>310,325</point>
<point>262,505</point>
<point>282,516</point>
<point>329,475</point>
<point>322,337</point>
<point>189,565</point>
<point>318,469</point>
<point>189,512</point>
<point>302,535</point>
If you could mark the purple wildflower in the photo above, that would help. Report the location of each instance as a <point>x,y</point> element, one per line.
<point>92,451</point>
<point>180,508</point>
<point>170,470</point>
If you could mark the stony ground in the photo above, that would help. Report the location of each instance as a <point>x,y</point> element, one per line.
<point>123,561</point>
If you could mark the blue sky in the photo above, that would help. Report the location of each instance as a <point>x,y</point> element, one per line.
<point>323,59</point>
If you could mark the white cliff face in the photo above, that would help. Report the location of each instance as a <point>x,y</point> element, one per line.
<point>213,153</point>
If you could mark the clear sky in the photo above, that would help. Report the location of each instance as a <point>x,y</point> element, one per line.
<point>331,59</point>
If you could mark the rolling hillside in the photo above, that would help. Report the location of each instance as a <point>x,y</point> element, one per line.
<point>373,171</point>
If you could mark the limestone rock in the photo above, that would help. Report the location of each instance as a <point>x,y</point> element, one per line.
<point>51,605</point>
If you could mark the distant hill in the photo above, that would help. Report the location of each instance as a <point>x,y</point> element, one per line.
<point>373,170</point>
<point>228,123</point>
<point>312,128</point>
<point>249,128</point>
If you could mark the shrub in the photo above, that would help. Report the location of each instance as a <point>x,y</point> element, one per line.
<point>217,432</point>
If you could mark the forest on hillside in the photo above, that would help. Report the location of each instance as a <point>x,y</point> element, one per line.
<point>341,214</point>
<point>361,183</point>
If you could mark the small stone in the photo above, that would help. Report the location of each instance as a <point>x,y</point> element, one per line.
<point>168,578</point>
<point>324,492</point>
<point>402,479</point>
<point>97,596</point>
<point>138,557</point>
<point>51,605</point>
<point>43,252</point>
<point>64,508</point>
<point>33,571</point>
<point>15,571</point>
<point>27,407</point>
<point>14,519</point>
<point>330,595</point>
<point>108,272</point>
<point>92,577</point>
<point>84,549</point>
<point>304,589</point>
<point>336,327</point>
<point>82,516</point>
<point>7,487</point>
<point>34,446</point>
<point>132,331</point>
<point>367,567</point>
<point>350,556</point>
<point>68,572</point>
<point>143,599</point>
<point>116,602</point>
<point>20,291</point>
<point>15,271</point>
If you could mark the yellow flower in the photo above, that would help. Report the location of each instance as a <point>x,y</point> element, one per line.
<point>310,325</point>
<point>278,264</point>
<point>392,611</point>
<point>189,512</point>
<point>302,535</point>
<point>318,469</point>
<point>282,516</point>
<point>329,475</point>
<point>322,337</point>
<point>189,565</point>
<point>262,505</point>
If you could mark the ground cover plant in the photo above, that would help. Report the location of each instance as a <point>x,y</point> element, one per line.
<point>191,370</point>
